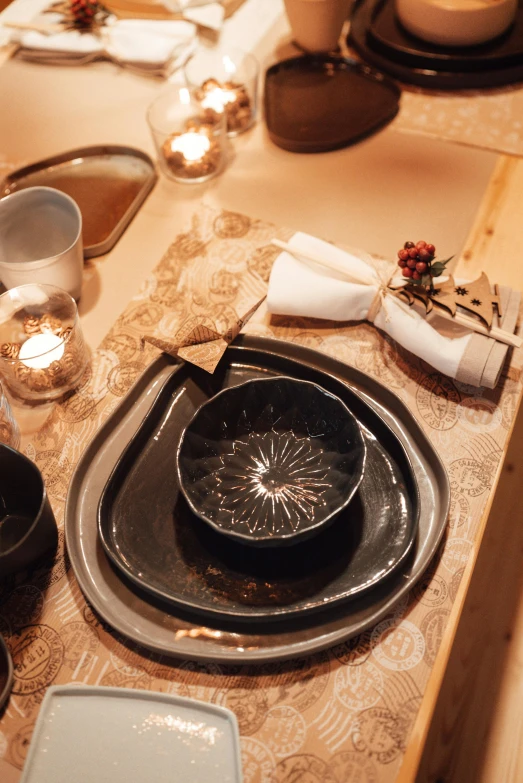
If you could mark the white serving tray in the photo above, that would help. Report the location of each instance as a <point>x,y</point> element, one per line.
<point>96,735</point>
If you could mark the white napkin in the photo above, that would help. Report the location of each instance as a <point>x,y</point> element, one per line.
<point>147,43</point>
<point>303,288</point>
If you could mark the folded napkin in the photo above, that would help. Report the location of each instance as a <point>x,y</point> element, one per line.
<point>154,46</point>
<point>303,288</point>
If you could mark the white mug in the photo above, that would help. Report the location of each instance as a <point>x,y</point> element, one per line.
<point>41,240</point>
<point>316,24</point>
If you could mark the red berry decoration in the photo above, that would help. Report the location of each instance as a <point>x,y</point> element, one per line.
<point>84,12</point>
<point>417,263</point>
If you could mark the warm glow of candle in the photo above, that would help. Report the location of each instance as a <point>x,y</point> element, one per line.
<point>217,98</point>
<point>40,351</point>
<point>193,146</point>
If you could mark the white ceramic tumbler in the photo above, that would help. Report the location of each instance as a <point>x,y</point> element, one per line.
<point>316,24</point>
<point>41,240</point>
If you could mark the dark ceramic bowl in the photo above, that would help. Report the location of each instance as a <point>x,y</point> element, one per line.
<point>27,524</point>
<point>271,461</point>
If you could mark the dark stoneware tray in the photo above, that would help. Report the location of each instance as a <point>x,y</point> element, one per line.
<point>379,38</point>
<point>150,533</point>
<point>317,103</point>
<point>169,630</point>
<point>108,182</point>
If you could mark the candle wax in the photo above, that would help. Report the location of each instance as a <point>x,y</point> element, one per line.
<point>217,98</point>
<point>40,351</point>
<point>193,146</point>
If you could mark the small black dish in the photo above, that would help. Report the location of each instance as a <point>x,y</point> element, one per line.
<point>27,524</point>
<point>380,39</point>
<point>317,103</point>
<point>6,672</point>
<point>271,461</point>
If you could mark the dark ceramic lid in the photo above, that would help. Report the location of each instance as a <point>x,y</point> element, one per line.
<point>318,103</point>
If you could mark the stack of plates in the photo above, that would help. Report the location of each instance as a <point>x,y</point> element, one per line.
<point>175,582</point>
<point>380,39</point>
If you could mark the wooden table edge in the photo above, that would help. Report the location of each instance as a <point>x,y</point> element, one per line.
<point>497,213</point>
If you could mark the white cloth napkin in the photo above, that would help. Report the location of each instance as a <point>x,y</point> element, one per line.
<point>303,288</point>
<point>145,43</point>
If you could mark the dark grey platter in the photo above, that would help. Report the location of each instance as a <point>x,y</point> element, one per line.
<point>171,631</point>
<point>151,534</point>
<point>108,182</point>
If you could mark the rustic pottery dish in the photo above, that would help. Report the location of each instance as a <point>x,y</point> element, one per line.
<point>318,103</point>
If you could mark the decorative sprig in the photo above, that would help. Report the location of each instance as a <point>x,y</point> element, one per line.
<point>418,263</point>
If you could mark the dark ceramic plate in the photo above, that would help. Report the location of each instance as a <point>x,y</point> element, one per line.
<point>151,535</point>
<point>109,183</point>
<point>271,461</point>
<point>6,672</point>
<point>317,103</point>
<point>381,41</point>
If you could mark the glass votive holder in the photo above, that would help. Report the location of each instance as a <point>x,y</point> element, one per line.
<point>42,350</point>
<point>9,431</point>
<point>27,524</point>
<point>190,147</point>
<point>225,81</point>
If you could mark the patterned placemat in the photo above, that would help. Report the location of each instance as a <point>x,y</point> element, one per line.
<point>340,715</point>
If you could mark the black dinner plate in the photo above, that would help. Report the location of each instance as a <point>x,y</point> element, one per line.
<point>379,38</point>
<point>317,103</point>
<point>150,534</point>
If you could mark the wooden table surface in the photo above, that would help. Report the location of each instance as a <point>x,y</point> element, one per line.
<point>373,196</point>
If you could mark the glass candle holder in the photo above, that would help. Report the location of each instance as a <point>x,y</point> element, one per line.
<point>225,82</point>
<point>190,146</point>
<point>42,350</point>
<point>9,431</point>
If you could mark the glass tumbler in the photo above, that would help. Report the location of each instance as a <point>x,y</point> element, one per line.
<point>190,146</point>
<point>225,81</point>
<point>42,350</point>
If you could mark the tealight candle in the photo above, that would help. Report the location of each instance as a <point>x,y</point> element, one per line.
<point>190,142</point>
<point>229,97</point>
<point>225,82</point>
<point>40,351</point>
<point>193,146</point>
<point>217,98</point>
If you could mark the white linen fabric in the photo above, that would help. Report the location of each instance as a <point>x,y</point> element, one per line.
<point>304,288</point>
<point>145,43</point>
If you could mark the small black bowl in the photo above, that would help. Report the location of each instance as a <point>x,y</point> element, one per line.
<point>27,524</point>
<point>271,461</point>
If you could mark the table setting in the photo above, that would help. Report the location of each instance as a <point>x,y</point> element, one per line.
<point>256,499</point>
